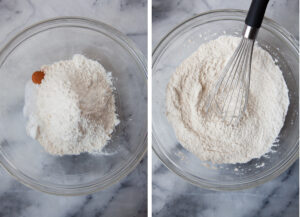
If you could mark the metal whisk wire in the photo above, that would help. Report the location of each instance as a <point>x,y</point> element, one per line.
<point>230,94</point>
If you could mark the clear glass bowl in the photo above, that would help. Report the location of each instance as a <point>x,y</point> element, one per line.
<point>181,42</point>
<point>59,39</point>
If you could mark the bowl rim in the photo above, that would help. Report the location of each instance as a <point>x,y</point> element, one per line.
<point>271,22</point>
<point>137,55</point>
<point>156,147</point>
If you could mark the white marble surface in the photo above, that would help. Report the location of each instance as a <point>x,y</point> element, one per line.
<point>172,196</point>
<point>127,198</point>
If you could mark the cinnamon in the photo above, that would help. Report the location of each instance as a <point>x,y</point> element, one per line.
<point>37,77</point>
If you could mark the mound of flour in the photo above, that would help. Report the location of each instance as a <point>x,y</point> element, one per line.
<point>73,109</point>
<point>207,136</point>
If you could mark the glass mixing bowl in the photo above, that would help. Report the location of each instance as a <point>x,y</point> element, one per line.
<point>180,43</point>
<point>59,39</point>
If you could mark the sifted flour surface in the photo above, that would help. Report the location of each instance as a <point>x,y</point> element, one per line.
<point>73,109</point>
<point>207,136</point>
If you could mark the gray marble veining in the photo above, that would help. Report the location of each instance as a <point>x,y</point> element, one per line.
<point>278,197</point>
<point>168,13</point>
<point>173,196</point>
<point>127,198</point>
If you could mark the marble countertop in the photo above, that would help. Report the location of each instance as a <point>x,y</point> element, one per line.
<point>127,198</point>
<point>172,196</point>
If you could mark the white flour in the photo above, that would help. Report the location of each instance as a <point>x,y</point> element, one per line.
<point>73,109</point>
<point>209,137</point>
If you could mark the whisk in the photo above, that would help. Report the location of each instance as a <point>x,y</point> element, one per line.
<point>230,94</point>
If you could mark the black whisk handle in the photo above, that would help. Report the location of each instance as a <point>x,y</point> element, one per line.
<point>256,13</point>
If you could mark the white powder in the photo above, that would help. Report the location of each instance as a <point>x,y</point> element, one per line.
<point>207,136</point>
<point>73,109</point>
